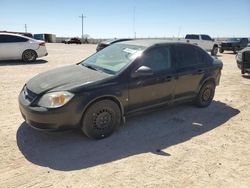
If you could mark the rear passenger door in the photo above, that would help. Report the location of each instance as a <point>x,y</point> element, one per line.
<point>192,66</point>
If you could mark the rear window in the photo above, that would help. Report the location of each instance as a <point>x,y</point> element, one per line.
<point>11,39</point>
<point>192,37</point>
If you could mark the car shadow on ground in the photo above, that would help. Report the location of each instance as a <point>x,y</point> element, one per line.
<point>71,150</point>
<point>19,62</point>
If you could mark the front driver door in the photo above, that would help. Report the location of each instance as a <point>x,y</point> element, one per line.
<point>147,91</point>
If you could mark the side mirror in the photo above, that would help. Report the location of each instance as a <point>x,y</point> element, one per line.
<point>142,71</point>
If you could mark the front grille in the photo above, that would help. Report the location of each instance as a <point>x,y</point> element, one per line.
<point>29,95</point>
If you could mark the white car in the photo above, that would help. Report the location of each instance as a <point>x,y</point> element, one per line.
<point>16,47</point>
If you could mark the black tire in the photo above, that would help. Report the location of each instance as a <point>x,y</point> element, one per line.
<point>235,50</point>
<point>214,51</point>
<point>221,50</point>
<point>242,70</point>
<point>101,119</point>
<point>206,94</point>
<point>29,55</point>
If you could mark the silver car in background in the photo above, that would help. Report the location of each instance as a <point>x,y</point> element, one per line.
<point>18,47</point>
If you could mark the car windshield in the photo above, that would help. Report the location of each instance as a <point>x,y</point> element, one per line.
<point>114,58</point>
<point>233,39</point>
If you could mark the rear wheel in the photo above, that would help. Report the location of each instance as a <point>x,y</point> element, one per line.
<point>29,55</point>
<point>206,94</point>
<point>214,51</point>
<point>101,119</point>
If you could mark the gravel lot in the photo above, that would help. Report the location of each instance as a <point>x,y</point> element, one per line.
<point>181,146</point>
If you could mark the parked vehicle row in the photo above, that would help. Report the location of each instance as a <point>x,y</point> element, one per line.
<point>72,41</point>
<point>18,47</point>
<point>99,92</point>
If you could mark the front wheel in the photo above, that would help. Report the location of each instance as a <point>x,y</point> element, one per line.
<point>29,55</point>
<point>101,119</point>
<point>221,50</point>
<point>206,94</point>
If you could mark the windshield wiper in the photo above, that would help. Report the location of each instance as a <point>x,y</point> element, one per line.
<point>90,67</point>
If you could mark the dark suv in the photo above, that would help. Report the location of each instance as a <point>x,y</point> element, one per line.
<point>233,44</point>
<point>99,92</point>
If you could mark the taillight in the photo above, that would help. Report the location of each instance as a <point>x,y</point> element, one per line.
<point>42,44</point>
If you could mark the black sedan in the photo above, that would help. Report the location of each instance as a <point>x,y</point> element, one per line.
<point>99,92</point>
<point>107,43</point>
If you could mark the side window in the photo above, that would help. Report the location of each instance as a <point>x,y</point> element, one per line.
<point>10,39</point>
<point>195,37</point>
<point>186,56</point>
<point>158,59</point>
<point>205,37</point>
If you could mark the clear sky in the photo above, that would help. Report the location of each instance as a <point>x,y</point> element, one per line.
<point>114,18</point>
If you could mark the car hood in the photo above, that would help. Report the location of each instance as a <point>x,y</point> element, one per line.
<point>64,78</point>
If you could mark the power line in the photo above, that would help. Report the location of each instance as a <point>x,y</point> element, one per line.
<point>134,32</point>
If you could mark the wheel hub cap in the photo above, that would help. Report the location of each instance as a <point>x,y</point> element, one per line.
<point>102,119</point>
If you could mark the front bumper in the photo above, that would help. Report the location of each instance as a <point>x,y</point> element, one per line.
<point>49,119</point>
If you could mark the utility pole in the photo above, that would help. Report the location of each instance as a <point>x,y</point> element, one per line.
<point>25,27</point>
<point>82,17</point>
<point>134,23</point>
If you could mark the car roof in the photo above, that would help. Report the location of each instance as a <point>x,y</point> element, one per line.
<point>151,42</point>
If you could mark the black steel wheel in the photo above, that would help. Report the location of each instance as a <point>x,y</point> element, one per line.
<point>101,119</point>
<point>206,94</point>
<point>29,55</point>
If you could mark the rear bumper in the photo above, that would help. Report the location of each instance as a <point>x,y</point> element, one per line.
<point>41,51</point>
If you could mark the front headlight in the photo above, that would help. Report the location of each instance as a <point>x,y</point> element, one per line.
<point>55,99</point>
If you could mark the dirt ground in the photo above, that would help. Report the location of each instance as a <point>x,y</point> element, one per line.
<point>181,146</point>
